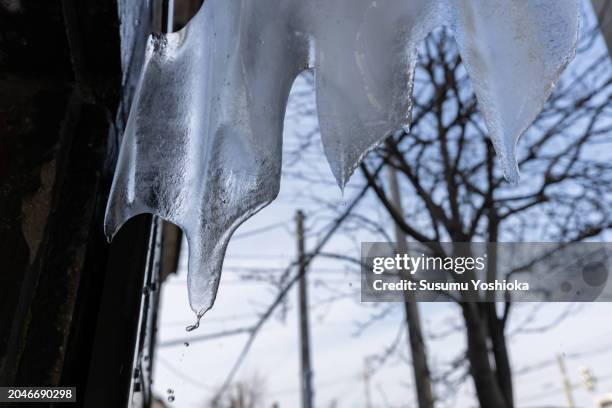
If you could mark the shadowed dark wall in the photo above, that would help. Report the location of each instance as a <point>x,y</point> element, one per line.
<point>63,67</point>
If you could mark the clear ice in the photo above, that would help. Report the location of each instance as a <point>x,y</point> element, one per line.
<point>202,146</point>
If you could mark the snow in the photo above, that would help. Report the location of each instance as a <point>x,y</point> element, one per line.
<point>202,146</point>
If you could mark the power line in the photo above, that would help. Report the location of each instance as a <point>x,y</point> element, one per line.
<point>184,376</point>
<point>570,356</point>
<point>257,231</point>
<point>257,256</point>
<point>205,337</point>
<point>247,281</point>
<point>557,390</point>
<point>324,384</point>
<point>248,269</point>
<point>234,317</point>
<point>260,269</point>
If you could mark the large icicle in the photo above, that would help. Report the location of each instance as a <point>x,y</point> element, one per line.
<point>202,147</point>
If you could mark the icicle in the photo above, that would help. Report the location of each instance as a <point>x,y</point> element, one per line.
<point>514,52</point>
<point>202,147</point>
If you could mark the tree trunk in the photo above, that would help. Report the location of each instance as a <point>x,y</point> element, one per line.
<point>500,353</point>
<point>422,376</point>
<point>485,380</point>
<point>495,324</point>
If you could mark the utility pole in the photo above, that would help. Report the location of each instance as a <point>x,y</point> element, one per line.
<point>567,385</point>
<point>306,370</point>
<point>366,383</point>
<point>422,376</point>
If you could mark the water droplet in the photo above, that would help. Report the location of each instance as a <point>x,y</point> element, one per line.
<point>171,398</point>
<point>170,391</point>
<point>186,344</point>
<point>195,325</point>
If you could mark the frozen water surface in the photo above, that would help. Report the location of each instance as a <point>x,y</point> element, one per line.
<point>202,147</point>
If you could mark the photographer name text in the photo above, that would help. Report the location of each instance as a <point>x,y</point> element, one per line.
<point>474,284</point>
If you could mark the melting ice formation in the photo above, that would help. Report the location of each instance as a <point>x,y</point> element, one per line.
<point>202,146</point>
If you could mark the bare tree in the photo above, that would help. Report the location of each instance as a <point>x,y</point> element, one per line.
<point>249,393</point>
<point>456,192</point>
<point>453,190</point>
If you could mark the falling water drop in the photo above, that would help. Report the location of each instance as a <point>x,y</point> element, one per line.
<point>195,325</point>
